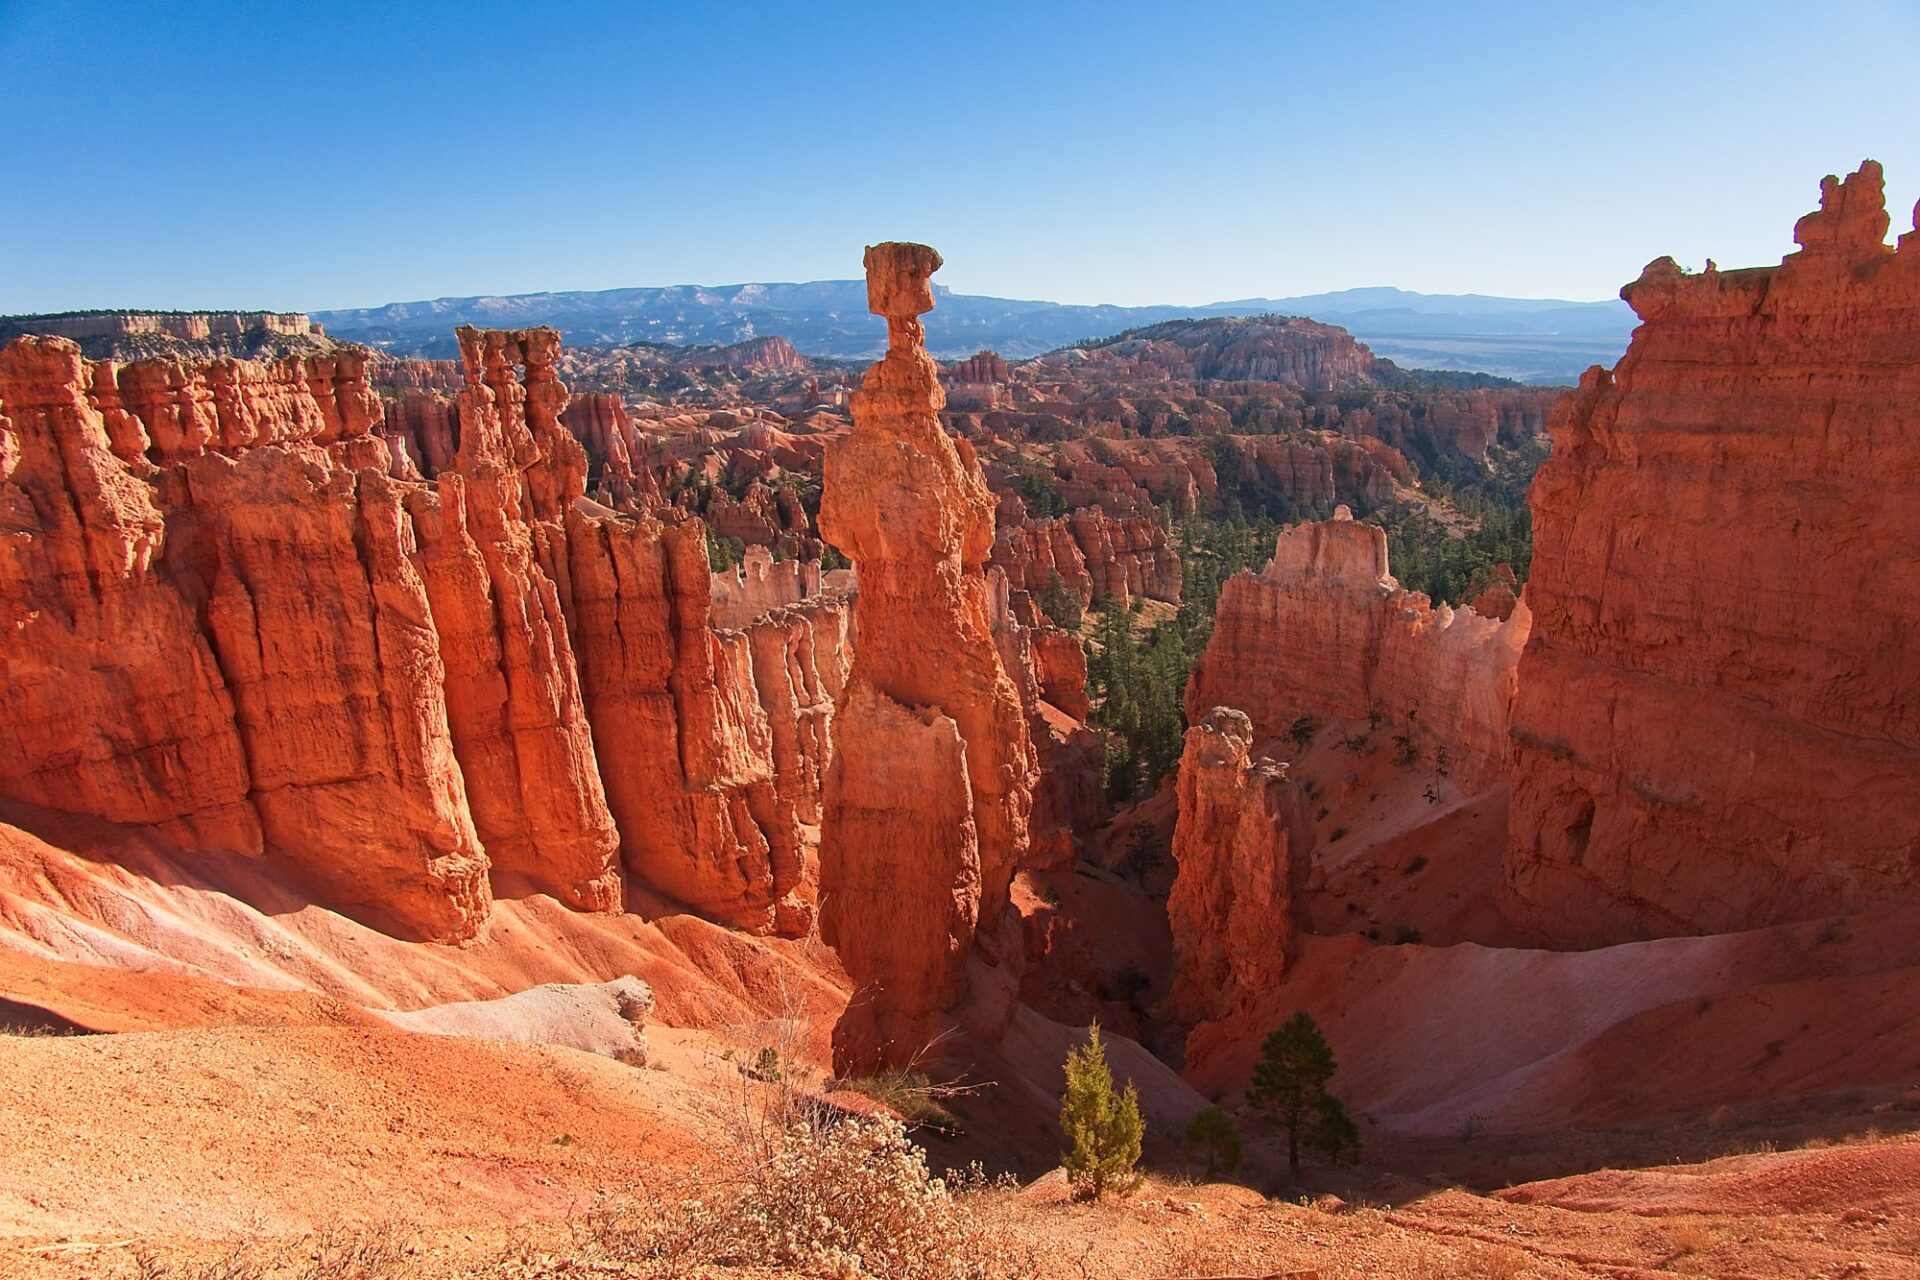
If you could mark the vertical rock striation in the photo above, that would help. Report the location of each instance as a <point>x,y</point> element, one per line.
<point>930,789</point>
<point>400,655</point>
<point>1240,846</point>
<point>513,697</point>
<point>113,702</point>
<point>1718,723</point>
<point>1095,556</point>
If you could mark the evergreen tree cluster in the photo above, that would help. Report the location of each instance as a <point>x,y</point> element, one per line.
<point>1137,677</point>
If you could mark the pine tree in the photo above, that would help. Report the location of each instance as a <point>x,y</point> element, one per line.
<point>1290,1088</point>
<point>1212,1132</point>
<point>1103,1127</point>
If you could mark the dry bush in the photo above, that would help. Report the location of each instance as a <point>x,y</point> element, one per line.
<point>799,1184</point>
<point>913,1094</point>
<point>1690,1238</point>
<point>1204,1256</point>
<point>843,1197</point>
<point>1478,1262</point>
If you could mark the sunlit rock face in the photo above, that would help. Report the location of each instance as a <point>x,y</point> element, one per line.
<point>1718,722</point>
<point>1240,846</point>
<point>397,654</point>
<point>930,789</point>
<point>1325,631</point>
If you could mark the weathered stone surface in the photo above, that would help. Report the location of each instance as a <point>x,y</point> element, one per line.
<point>319,621</point>
<point>113,701</point>
<point>1094,555</point>
<point>1049,669</point>
<point>929,792</point>
<point>982,366</point>
<point>513,697</point>
<point>424,429</point>
<point>241,618</point>
<point>1325,631</point>
<point>1240,847</point>
<point>260,674</point>
<point>600,423</point>
<point>1718,724</point>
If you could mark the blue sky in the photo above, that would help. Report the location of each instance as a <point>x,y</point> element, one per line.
<point>317,156</point>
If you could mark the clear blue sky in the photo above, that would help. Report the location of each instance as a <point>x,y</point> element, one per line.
<point>330,155</point>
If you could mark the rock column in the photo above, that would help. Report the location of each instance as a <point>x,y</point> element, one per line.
<point>928,796</point>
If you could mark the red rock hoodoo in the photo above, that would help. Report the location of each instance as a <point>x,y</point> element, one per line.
<point>1240,847</point>
<point>1718,723</point>
<point>930,790</point>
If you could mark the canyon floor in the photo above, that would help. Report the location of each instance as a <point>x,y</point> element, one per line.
<point>206,1150</point>
<point>241,1110</point>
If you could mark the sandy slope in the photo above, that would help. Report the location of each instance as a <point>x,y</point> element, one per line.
<point>162,1138</point>
<point>101,896</point>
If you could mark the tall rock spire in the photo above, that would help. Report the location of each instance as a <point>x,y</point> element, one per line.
<point>928,796</point>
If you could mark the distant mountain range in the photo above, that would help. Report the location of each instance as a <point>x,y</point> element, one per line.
<point>1533,340</point>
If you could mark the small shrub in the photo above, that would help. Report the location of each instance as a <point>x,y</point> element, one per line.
<point>1129,983</point>
<point>766,1065</point>
<point>333,1253</point>
<point>1690,1238</point>
<point>1103,1127</point>
<point>1303,729</point>
<point>1415,866</point>
<point>1335,834</point>
<point>1212,1133</point>
<point>910,1093</point>
<point>1406,936</point>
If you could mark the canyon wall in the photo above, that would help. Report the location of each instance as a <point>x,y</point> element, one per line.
<point>189,326</point>
<point>1324,631</point>
<point>1718,722</point>
<point>396,653</point>
<point>1095,555</point>
<point>929,793</point>
<point>1286,349</point>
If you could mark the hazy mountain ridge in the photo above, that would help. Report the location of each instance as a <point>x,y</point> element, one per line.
<point>1534,340</point>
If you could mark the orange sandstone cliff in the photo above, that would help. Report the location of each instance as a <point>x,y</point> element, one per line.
<point>1718,723</point>
<point>930,790</point>
<point>402,658</point>
<point>1325,632</point>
